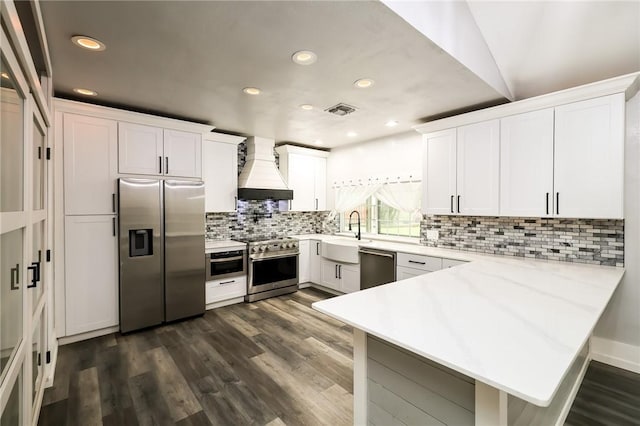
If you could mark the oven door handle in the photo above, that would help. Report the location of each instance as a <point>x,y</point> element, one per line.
<point>273,257</point>
<point>225,259</point>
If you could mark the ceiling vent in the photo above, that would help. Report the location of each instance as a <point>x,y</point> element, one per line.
<point>341,109</point>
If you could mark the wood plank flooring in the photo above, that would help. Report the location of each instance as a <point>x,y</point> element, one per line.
<point>274,362</point>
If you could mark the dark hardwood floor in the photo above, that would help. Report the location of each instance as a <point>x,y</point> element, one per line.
<point>273,362</point>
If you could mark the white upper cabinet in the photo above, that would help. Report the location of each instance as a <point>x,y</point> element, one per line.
<point>439,180</point>
<point>305,171</point>
<point>589,158</point>
<point>478,171</point>
<point>220,172</point>
<point>90,164</point>
<point>149,150</point>
<point>461,169</point>
<point>140,149</point>
<point>182,153</point>
<point>526,164</point>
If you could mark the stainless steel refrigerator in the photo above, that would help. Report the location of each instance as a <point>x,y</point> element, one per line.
<point>161,245</point>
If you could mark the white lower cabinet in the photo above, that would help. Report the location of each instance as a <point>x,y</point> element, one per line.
<point>91,273</point>
<point>225,289</point>
<point>402,273</point>
<point>343,277</point>
<point>304,272</point>
<point>315,262</point>
<point>412,265</point>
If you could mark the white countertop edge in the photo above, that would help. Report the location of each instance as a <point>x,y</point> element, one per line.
<point>211,246</point>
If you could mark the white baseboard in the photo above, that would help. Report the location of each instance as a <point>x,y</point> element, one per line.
<point>326,289</point>
<point>618,354</point>
<point>304,285</point>
<point>86,336</point>
<point>227,302</point>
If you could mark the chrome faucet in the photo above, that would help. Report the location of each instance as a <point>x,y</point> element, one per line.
<point>357,213</point>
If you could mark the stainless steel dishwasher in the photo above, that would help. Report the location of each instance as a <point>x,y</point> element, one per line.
<point>377,267</point>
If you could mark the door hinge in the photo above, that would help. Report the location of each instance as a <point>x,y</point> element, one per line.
<point>48,255</point>
<point>47,357</point>
<point>48,153</point>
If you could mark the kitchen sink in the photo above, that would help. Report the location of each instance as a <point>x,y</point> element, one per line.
<point>342,249</point>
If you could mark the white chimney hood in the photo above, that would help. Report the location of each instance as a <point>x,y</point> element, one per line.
<point>260,179</point>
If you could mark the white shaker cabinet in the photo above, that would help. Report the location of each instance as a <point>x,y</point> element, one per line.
<point>315,262</point>
<point>150,150</point>
<point>220,171</point>
<point>589,158</point>
<point>526,164</point>
<point>91,273</point>
<point>342,277</point>
<point>304,271</point>
<point>90,164</point>
<point>305,172</point>
<point>462,171</point>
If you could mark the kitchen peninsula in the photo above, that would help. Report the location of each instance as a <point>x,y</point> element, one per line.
<point>496,341</point>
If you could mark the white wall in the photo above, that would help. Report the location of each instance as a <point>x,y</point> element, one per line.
<point>618,332</point>
<point>390,156</point>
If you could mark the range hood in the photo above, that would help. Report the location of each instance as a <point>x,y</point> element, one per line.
<point>260,179</point>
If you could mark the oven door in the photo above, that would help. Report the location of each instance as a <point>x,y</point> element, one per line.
<point>272,272</point>
<point>226,264</point>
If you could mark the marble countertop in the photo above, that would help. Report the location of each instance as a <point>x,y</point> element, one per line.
<point>211,246</point>
<point>512,323</point>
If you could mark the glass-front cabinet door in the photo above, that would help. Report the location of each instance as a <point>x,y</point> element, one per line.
<point>11,294</point>
<point>12,415</point>
<point>39,160</point>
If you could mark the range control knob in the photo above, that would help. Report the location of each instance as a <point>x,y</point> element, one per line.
<point>290,245</point>
<point>262,248</point>
<point>254,249</point>
<point>283,245</point>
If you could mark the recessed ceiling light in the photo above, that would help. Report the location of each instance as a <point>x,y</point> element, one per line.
<point>251,90</point>
<point>363,83</point>
<point>318,142</point>
<point>86,92</point>
<point>391,123</point>
<point>352,134</point>
<point>88,43</point>
<point>304,57</point>
<point>5,75</point>
<point>306,107</point>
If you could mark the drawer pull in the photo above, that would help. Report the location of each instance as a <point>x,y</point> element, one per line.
<point>419,263</point>
<point>227,282</point>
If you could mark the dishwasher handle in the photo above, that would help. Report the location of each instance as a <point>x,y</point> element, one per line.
<point>375,253</point>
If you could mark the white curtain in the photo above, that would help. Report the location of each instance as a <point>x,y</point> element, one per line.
<point>405,197</point>
<point>350,197</point>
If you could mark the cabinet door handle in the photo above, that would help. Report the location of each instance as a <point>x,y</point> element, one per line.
<point>15,277</point>
<point>317,249</point>
<point>547,203</point>
<point>113,226</point>
<point>336,271</point>
<point>339,271</point>
<point>452,204</point>
<point>458,204</point>
<point>557,203</point>
<point>316,204</point>
<point>166,165</point>
<point>35,269</point>
<point>227,282</point>
<point>160,165</point>
<point>419,263</point>
<point>113,202</point>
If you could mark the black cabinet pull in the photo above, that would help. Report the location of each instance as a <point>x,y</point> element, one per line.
<point>35,269</point>
<point>316,204</point>
<point>15,277</point>
<point>336,271</point>
<point>557,203</point>
<point>159,165</point>
<point>458,204</point>
<point>317,249</point>
<point>166,165</point>
<point>227,282</point>
<point>452,204</point>
<point>419,263</point>
<point>113,225</point>
<point>113,202</point>
<point>547,203</point>
<point>339,271</point>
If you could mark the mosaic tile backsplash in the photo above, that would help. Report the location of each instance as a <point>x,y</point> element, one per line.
<point>594,241</point>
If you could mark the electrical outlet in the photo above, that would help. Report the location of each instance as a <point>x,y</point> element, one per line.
<point>432,235</point>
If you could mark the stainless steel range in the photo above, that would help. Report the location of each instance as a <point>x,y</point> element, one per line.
<point>273,268</point>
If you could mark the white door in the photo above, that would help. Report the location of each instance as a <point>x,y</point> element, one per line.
<point>315,261</point>
<point>439,172</point>
<point>329,272</point>
<point>140,149</point>
<point>589,149</point>
<point>526,164</point>
<point>320,184</point>
<point>303,263</point>
<point>182,154</point>
<point>301,179</point>
<point>349,278</point>
<point>478,171</point>
<point>90,168</point>
<point>220,176</point>
<point>91,290</point>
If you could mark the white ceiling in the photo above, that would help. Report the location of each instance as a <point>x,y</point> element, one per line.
<point>192,59</point>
